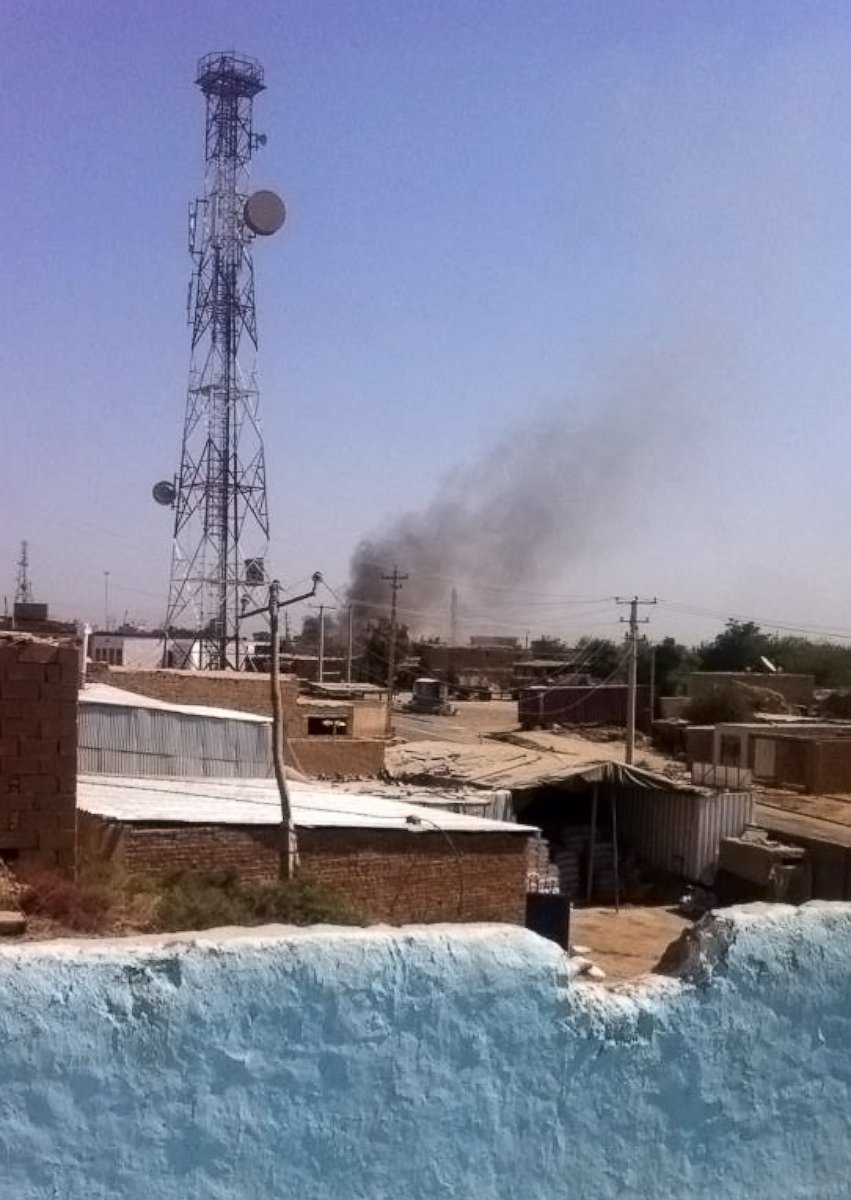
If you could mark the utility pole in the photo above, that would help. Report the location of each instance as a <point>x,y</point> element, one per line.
<point>321,643</point>
<point>395,580</point>
<point>289,856</point>
<point>634,621</point>
<point>350,645</point>
<point>106,601</point>
<point>323,608</point>
<point>453,618</point>
<point>288,866</point>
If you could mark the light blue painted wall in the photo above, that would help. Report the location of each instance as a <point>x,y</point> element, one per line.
<point>425,1063</point>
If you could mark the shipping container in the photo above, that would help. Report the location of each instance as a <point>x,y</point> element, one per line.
<point>603,704</point>
<point>681,832</point>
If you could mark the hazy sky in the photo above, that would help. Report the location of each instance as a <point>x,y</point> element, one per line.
<point>628,216</point>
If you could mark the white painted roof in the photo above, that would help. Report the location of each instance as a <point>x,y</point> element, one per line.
<point>255,802</point>
<point>105,693</point>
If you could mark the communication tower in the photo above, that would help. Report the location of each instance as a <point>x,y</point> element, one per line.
<point>221,517</point>
<point>23,587</point>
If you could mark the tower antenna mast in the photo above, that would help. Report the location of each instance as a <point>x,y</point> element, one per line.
<point>23,587</point>
<point>221,517</point>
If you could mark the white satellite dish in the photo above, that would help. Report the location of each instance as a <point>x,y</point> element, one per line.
<point>264,213</point>
<point>164,493</point>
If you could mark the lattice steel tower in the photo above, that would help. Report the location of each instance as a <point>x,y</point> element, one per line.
<point>221,518</point>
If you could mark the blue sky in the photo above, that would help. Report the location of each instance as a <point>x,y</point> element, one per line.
<point>495,210</point>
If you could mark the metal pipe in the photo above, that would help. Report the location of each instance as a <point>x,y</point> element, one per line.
<point>589,881</point>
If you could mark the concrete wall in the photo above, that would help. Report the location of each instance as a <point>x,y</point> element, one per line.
<point>426,1064</point>
<point>389,875</point>
<point>39,681</point>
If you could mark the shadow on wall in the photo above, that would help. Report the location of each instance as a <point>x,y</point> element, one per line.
<point>428,1062</point>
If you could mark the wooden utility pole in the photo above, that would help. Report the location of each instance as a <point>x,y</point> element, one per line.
<point>633,621</point>
<point>395,580</point>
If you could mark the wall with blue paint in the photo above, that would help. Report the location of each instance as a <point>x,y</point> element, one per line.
<point>425,1063</point>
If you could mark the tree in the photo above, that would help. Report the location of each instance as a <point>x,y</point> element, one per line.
<point>548,647</point>
<point>738,648</point>
<point>673,662</point>
<point>375,650</point>
<point>601,658</point>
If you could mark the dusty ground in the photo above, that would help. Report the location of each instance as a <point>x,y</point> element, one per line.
<point>625,944</point>
<point>475,719</point>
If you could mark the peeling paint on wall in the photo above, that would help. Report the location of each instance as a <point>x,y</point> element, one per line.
<point>423,1063</point>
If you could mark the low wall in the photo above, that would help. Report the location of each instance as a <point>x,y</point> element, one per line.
<point>389,875</point>
<point>425,1064</point>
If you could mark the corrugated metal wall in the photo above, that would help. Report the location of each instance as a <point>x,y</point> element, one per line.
<point>145,741</point>
<point>679,831</point>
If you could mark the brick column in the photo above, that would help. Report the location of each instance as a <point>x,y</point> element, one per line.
<point>39,684</point>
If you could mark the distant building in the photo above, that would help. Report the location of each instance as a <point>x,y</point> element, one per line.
<point>137,649</point>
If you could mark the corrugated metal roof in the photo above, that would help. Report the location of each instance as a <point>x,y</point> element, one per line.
<point>255,802</point>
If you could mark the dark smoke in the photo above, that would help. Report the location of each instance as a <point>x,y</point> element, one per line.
<point>539,501</point>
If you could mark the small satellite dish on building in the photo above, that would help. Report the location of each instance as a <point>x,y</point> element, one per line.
<point>165,493</point>
<point>264,213</point>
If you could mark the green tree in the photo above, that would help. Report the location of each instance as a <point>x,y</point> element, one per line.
<point>673,662</point>
<point>739,647</point>
<point>601,658</point>
<point>375,650</point>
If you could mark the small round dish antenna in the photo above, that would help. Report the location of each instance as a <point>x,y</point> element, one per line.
<point>264,213</point>
<point>164,493</point>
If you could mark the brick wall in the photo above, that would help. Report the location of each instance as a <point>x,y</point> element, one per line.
<point>244,691</point>
<point>390,875</point>
<point>829,766</point>
<point>39,682</point>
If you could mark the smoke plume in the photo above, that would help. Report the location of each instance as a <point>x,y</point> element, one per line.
<point>543,498</point>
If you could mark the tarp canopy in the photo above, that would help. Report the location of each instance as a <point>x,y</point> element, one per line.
<point>492,764</point>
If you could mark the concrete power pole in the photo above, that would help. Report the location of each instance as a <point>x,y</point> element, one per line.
<point>395,580</point>
<point>350,645</point>
<point>633,621</point>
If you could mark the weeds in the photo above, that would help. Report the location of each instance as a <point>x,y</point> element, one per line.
<point>51,897</point>
<point>201,901</point>
<point>102,904</point>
